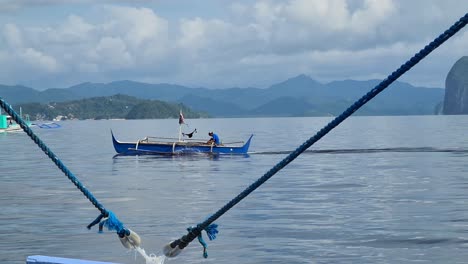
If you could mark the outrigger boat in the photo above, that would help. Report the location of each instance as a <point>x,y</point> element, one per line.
<point>172,146</point>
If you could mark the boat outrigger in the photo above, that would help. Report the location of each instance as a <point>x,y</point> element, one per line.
<point>172,146</point>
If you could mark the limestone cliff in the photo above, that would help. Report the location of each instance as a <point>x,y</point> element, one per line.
<point>456,89</point>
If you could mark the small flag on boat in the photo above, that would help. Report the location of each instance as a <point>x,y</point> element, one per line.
<point>181,118</point>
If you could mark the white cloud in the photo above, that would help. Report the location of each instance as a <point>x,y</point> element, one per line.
<point>112,54</point>
<point>192,34</point>
<point>373,14</point>
<point>75,29</point>
<point>12,36</point>
<point>38,60</point>
<point>326,15</point>
<point>15,5</point>
<point>208,38</point>
<point>258,43</point>
<point>124,36</point>
<point>139,26</point>
<point>20,53</point>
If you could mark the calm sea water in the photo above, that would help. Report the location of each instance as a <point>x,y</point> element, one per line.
<point>374,190</point>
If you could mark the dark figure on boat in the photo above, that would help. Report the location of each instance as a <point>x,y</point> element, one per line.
<point>190,135</point>
<point>214,139</point>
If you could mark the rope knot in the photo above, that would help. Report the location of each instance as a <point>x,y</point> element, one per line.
<point>109,220</point>
<point>128,238</point>
<point>210,230</point>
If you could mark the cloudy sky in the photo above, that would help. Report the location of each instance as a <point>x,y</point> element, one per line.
<point>222,44</point>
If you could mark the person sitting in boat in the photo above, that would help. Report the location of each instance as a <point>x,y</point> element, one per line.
<point>214,139</point>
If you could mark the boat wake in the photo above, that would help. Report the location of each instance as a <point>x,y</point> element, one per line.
<point>366,150</point>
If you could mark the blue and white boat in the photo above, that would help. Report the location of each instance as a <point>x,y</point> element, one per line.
<point>174,146</point>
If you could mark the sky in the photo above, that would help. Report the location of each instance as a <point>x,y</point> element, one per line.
<point>223,44</point>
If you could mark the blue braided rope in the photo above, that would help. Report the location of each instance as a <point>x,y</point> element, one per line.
<point>335,122</point>
<point>64,169</point>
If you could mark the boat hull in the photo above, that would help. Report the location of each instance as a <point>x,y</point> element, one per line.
<point>176,147</point>
<point>7,124</point>
<point>12,128</point>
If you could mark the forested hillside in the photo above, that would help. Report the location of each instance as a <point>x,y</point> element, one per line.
<point>108,107</point>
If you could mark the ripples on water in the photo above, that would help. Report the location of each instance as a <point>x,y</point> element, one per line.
<point>393,192</point>
<point>362,151</point>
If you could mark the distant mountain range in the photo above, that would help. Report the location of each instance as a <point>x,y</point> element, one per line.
<point>298,96</point>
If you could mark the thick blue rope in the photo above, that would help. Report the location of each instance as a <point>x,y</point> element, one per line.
<point>194,232</point>
<point>108,215</point>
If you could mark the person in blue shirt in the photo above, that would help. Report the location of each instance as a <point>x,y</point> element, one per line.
<point>214,139</point>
